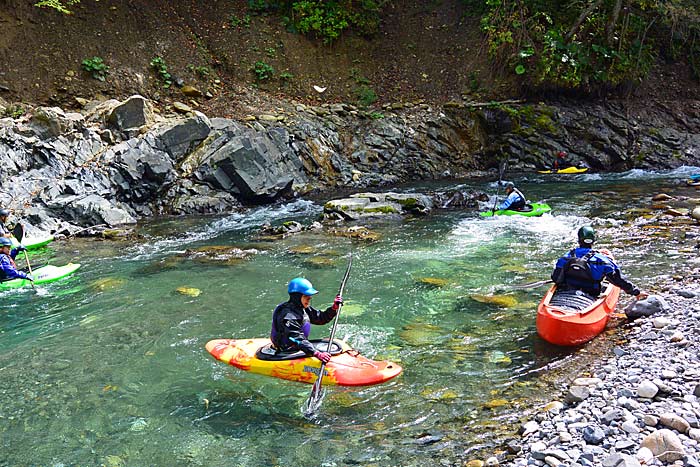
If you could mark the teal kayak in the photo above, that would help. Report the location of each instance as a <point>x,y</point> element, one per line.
<point>33,243</point>
<point>42,275</point>
<point>535,209</point>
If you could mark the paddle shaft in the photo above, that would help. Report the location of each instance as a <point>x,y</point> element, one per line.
<point>501,170</point>
<point>317,384</point>
<point>532,285</point>
<point>18,232</point>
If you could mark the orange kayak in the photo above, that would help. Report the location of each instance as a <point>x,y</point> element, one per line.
<point>565,325</point>
<point>346,367</point>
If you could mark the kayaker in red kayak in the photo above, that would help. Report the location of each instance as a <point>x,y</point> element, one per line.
<point>584,269</point>
<point>515,199</point>
<point>291,320</point>
<point>8,268</point>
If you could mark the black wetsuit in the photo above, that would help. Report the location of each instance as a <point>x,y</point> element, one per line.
<point>291,324</point>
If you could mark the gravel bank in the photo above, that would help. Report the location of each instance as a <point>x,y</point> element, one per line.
<point>639,406</point>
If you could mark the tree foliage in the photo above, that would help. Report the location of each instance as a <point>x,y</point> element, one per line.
<point>325,19</point>
<point>589,44</point>
<point>59,5</point>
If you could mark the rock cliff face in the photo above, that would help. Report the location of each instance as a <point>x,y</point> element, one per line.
<point>116,162</point>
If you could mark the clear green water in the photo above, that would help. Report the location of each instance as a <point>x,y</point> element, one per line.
<point>109,367</point>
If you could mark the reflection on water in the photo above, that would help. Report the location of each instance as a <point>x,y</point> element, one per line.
<point>109,367</point>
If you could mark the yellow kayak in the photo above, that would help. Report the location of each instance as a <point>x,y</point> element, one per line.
<point>346,367</point>
<point>568,170</point>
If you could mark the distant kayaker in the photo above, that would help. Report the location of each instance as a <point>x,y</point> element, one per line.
<point>584,269</point>
<point>4,231</point>
<point>560,161</point>
<point>515,199</point>
<point>291,320</point>
<point>8,268</point>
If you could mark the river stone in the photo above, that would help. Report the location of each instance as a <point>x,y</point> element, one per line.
<point>645,456</point>
<point>593,434</point>
<point>491,462</point>
<point>647,389</point>
<point>674,421</point>
<point>647,307</point>
<point>665,445</point>
<point>695,213</point>
<point>587,381</point>
<point>694,433</point>
<point>696,391</point>
<point>620,460</point>
<point>661,322</point>
<point>577,394</point>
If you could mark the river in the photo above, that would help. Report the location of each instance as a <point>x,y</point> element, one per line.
<point>109,367</point>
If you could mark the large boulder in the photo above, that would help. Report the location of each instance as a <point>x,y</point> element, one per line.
<point>131,115</point>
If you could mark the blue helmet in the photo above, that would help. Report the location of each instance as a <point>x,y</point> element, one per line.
<point>4,241</point>
<point>302,286</point>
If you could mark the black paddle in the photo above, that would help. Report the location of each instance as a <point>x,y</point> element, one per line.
<point>18,232</point>
<point>316,396</point>
<point>501,171</point>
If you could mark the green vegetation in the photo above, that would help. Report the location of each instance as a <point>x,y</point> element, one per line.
<point>58,5</point>
<point>235,21</point>
<point>286,76</point>
<point>158,64</point>
<point>325,19</point>
<point>202,71</point>
<point>14,111</point>
<point>97,67</point>
<point>590,46</point>
<point>365,96</point>
<point>263,71</point>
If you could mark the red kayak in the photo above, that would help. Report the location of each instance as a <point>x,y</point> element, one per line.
<point>571,318</point>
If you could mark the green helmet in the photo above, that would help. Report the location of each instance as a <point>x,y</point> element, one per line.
<point>586,235</point>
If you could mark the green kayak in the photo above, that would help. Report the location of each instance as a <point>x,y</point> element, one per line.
<point>531,210</point>
<point>33,243</point>
<point>42,275</point>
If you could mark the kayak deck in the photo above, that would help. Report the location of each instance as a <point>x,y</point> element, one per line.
<point>567,170</point>
<point>33,243</point>
<point>537,210</point>
<point>564,325</point>
<point>42,275</point>
<point>346,368</point>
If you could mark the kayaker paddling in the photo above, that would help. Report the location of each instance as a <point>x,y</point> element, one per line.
<point>584,269</point>
<point>514,201</point>
<point>8,268</point>
<point>4,230</point>
<point>292,320</point>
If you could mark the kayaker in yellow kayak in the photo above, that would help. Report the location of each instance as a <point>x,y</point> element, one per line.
<point>8,268</point>
<point>4,230</point>
<point>584,269</point>
<point>292,320</point>
<point>560,162</point>
<point>514,201</point>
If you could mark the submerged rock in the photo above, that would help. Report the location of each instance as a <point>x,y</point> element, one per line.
<point>189,291</point>
<point>503,301</point>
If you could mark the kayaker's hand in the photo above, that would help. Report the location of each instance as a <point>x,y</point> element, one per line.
<point>642,295</point>
<point>30,277</point>
<point>325,357</point>
<point>21,248</point>
<point>337,302</point>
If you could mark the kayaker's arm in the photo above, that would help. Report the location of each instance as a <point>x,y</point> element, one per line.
<point>321,317</point>
<point>615,277</point>
<point>295,334</point>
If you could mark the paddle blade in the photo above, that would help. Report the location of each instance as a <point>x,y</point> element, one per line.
<point>18,232</point>
<point>313,403</point>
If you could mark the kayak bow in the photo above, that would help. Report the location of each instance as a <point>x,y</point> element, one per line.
<point>42,275</point>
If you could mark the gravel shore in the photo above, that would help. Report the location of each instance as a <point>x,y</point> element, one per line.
<point>638,406</point>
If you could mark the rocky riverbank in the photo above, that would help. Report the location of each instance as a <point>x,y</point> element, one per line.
<point>639,405</point>
<point>114,162</point>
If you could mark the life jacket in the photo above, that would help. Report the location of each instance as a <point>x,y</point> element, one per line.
<point>519,203</point>
<point>3,274</point>
<point>578,273</point>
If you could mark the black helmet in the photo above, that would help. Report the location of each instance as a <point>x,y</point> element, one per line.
<point>586,235</point>
<point>4,212</point>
